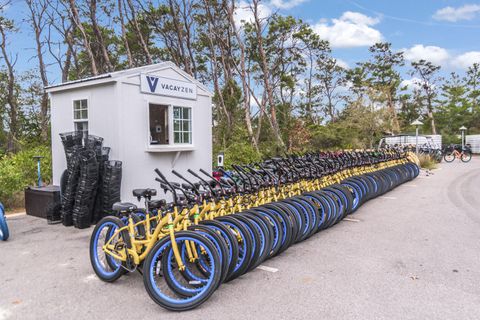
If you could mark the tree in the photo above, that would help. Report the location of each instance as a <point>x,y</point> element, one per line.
<point>313,48</point>
<point>11,93</point>
<point>472,85</point>
<point>454,109</point>
<point>384,78</point>
<point>428,83</point>
<point>331,78</point>
<point>86,41</point>
<point>38,21</point>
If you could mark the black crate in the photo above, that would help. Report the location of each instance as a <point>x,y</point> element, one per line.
<point>39,200</point>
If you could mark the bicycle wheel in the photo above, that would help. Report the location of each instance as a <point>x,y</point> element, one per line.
<point>282,226</point>
<point>272,228</point>
<point>449,157</point>
<point>244,240</point>
<point>230,240</point>
<point>106,267</point>
<point>4,234</point>
<point>256,240</point>
<point>466,157</point>
<point>154,270</point>
<point>265,232</point>
<point>190,281</point>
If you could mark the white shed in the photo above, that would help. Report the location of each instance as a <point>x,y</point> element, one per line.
<point>156,116</point>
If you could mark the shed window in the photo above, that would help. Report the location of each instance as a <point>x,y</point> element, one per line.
<point>182,125</point>
<point>169,125</point>
<point>80,115</point>
<point>158,115</point>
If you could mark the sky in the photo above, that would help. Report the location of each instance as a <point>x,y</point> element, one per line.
<point>445,32</point>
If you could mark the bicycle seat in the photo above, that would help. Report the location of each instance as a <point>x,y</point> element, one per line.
<point>144,192</point>
<point>186,186</point>
<point>175,184</point>
<point>123,206</point>
<point>157,204</point>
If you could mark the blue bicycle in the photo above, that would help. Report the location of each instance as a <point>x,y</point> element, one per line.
<point>3,224</point>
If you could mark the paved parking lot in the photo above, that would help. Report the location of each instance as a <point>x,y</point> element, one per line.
<point>412,254</point>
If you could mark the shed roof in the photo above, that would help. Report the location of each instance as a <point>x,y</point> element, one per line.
<point>114,76</point>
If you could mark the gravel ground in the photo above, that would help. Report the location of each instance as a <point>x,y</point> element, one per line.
<point>412,254</point>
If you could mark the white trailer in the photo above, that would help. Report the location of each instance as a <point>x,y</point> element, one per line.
<point>474,141</point>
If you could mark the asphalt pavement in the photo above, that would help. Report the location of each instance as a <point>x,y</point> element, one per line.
<point>412,254</point>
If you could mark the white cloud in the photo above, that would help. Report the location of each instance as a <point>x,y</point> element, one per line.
<point>413,83</point>
<point>352,29</point>
<point>467,59</point>
<point>434,54</point>
<point>465,12</point>
<point>287,4</point>
<point>243,12</point>
<point>342,63</point>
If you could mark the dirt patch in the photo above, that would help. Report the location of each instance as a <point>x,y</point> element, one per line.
<point>15,211</point>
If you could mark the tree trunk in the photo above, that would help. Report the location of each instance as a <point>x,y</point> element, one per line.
<point>243,76</point>
<point>11,97</point>
<point>98,35</point>
<point>124,34</point>
<point>86,42</point>
<point>143,43</point>
<point>265,70</point>
<point>37,21</point>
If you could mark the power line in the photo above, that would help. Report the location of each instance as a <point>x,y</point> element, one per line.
<point>408,20</point>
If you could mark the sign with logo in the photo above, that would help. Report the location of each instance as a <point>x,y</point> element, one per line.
<point>167,87</point>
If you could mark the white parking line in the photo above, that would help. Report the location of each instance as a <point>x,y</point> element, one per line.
<point>386,197</point>
<point>269,269</point>
<point>351,220</point>
<point>90,278</point>
<point>4,314</point>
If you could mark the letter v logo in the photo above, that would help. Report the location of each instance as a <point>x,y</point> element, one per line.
<point>152,83</point>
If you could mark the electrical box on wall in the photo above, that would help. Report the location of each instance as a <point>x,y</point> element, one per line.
<point>220,158</point>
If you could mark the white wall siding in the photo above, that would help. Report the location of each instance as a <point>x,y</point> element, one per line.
<point>474,141</point>
<point>101,120</point>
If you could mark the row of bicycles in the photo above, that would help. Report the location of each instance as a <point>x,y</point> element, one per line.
<point>213,231</point>
<point>3,224</point>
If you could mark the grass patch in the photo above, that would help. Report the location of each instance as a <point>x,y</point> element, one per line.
<point>427,162</point>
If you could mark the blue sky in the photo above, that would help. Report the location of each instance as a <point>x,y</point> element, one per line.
<point>445,32</point>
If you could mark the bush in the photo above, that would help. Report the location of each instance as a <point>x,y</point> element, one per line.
<point>17,171</point>
<point>240,153</point>
<point>427,162</point>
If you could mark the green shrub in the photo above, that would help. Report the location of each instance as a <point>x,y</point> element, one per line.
<point>17,171</point>
<point>240,153</point>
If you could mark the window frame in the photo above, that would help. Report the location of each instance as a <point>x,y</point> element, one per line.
<point>82,120</point>
<point>171,146</point>
<point>181,121</point>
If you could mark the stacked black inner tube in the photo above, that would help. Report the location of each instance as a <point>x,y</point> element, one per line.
<point>110,187</point>
<point>87,180</point>
<point>98,209</point>
<point>86,188</point>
